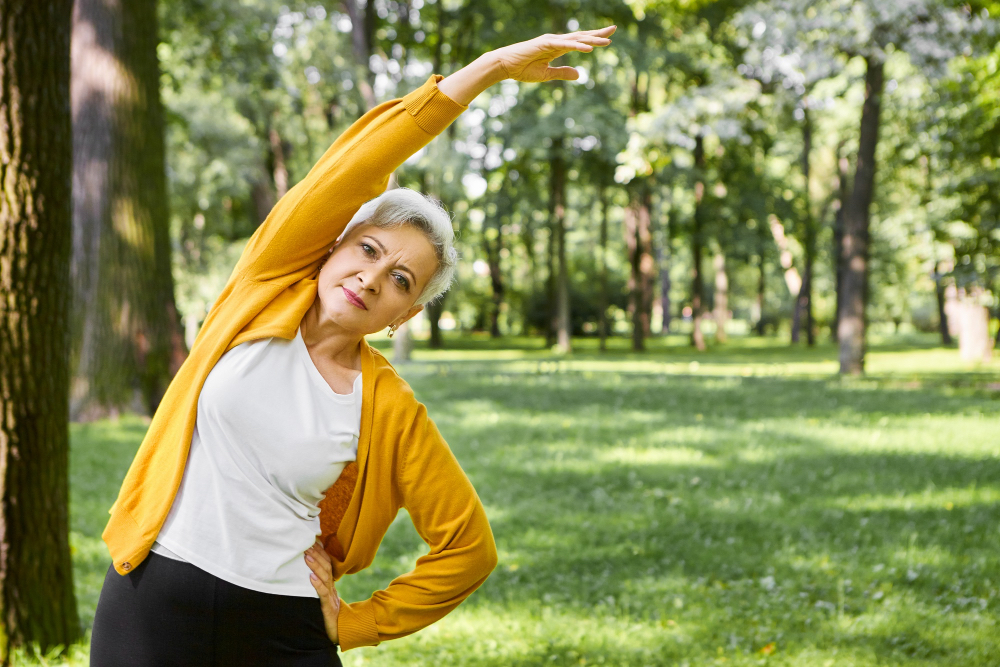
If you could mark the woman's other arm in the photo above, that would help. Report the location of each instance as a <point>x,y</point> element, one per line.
<point>448,516</point>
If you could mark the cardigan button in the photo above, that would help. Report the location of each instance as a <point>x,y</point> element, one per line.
<point>126,566</point>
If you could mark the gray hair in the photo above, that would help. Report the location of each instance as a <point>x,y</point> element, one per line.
<point>402,206</point>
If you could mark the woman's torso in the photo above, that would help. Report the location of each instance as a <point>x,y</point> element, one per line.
<point>271,436</point>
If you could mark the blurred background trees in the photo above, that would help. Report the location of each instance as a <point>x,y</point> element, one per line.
<point>805,170</point>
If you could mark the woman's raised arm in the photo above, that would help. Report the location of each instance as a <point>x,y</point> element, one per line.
<point>307,221</point>
<point>524,61</point>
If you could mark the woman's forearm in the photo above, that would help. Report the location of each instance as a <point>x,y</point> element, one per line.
<point>465,85</point>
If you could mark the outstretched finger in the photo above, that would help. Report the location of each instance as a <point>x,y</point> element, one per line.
<point>567,45</point>
<point>599,32</point>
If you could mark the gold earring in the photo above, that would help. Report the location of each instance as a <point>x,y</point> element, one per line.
<point>392,330</point>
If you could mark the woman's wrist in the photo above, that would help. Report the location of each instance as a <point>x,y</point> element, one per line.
<point>465,85</point>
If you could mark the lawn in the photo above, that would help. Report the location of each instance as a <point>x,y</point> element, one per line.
<point>744,506</point>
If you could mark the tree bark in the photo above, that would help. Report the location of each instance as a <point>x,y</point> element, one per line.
<point>279,167</point>
<point>362,41</point>
<point>602,292</point>
<point>559,290</point>
<point>942,312</point>
<point>803,302</point>
<point>697,244</point>
<point>434,311</point>
<point>127,339</point>
<point>851,328</point>
<point>492,249</point>
<point>721,300</point>
<point>838,234</point>
<point>37,603</point>
<point>761,285</point>
<point>664,257</point>
<point>638,239</point>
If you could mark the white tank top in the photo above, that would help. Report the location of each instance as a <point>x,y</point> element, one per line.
<point>271,437</point>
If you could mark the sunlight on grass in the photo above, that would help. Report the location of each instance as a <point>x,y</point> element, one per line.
<point>742,507</point>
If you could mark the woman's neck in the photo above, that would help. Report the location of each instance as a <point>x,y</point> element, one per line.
<point>326,339</point>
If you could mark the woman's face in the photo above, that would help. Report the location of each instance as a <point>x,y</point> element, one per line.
<point>373,277</point>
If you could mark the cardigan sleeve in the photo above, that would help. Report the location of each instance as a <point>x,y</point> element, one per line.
<point>306,222</point>
<point>449,517</point>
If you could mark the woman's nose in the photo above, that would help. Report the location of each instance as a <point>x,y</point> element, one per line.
<point>369,280</point>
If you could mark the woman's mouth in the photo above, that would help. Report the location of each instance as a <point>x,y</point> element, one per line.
<point>354,299</point>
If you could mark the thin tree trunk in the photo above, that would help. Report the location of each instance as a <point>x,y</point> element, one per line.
<point>938,272</point>
<point>633,246</point>
<point>638,241</point>
<point>647,265</point>
<point>697,244</point>
<point>851,329</point>
<point>602,292</point>
<point>844,190</point>
<point>37,603</point>
<point>942,312</point>
<point>492,250</point>
<point>761,285</point>
<point>721,310</point>
<point>126,332</point>
<point>664,263</point>
<point>804,305</point>
<point>362,38</point>
<point>559,291</point>
<point>279,168</point>
<point>434,311</point>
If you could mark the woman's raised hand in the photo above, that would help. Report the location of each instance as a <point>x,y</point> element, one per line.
<point>529,61</point>
<point>524,61</point>
<point>322,580</point>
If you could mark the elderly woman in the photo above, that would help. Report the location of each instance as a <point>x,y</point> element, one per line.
<point>283,424</point>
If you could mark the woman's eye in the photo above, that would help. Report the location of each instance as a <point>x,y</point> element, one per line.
<point>402,281</point>
<point>368,249</point>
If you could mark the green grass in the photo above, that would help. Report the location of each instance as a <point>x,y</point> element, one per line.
<point>740,507</point>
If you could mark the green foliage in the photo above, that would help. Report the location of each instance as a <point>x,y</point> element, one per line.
<point>260,86</point>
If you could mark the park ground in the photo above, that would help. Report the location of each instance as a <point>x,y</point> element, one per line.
<point>744,506</point>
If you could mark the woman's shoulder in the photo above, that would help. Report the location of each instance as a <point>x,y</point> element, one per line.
<point>389,386</point>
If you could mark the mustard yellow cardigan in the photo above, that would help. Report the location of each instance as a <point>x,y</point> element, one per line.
<point>403,462</point>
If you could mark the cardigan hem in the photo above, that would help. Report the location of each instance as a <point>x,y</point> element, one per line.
<point>125,530</point>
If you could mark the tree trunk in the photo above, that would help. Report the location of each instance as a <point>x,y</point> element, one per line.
<point>402,344</point>
<point>697,244</point>
<point>803,304</point>
<point>279,168</point>
<point>127,339</point>
<point>602,292</point>
<point>559,289</point>
<point>838,234</point>
<point>362,39</point>
<point>942,312</point>
<point>434,311</point>
<point>761,285</point>
<point>939,274</point>
<point>638,239</point>
<point>647,264</point>
<point>851,328</point>
<point>492,250</point>
<point>721,310</point>
<point>664,257</point>
<point>37,604</point>
<point>974,330</point>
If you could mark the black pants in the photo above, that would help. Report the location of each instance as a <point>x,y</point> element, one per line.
<point>167,613</point>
